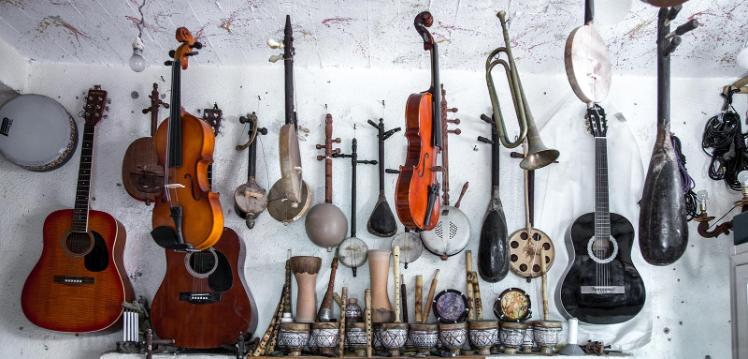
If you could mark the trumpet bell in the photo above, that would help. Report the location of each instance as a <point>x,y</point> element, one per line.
<point>539,158</point>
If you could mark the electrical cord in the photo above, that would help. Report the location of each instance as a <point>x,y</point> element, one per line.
<point>724,142</point>
<point>686,179</point>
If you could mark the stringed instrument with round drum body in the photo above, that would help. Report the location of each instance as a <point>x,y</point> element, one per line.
<point>142,175</point>
<point>382,221</point>
<point>290,197</point>
<point>417,188</point>
<point>250,199</point>
<point>188,215</point>
<point>588,67</point>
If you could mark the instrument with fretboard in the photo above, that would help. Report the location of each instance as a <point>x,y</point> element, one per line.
<point>79,283</point>
<point>601,286</point>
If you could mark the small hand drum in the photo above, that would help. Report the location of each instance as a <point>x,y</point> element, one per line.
<point>512,305</point>
<point>410,245</point>
<point>450,306</point>
<point>352,253</point>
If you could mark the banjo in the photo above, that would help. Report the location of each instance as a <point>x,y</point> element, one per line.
<point>452,232</point>
<point>37,133</point>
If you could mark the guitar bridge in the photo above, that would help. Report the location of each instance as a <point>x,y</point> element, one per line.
<point>200,298</point>
<point>73,281</point>
<point>602,289</point>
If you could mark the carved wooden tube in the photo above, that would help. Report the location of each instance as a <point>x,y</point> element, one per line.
<point>379,270</point>
<point>305,269</point>
<point>419,298</point>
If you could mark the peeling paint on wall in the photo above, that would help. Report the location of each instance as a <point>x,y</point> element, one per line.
<point>58,22</point>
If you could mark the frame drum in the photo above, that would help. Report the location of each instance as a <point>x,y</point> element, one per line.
<point>37,133</point>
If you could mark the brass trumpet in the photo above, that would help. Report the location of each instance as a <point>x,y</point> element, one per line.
<point>538,155</point>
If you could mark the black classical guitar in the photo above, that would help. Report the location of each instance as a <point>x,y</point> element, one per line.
<point>601,286</point>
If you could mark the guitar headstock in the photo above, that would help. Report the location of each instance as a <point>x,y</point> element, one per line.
<point>213,116</point>
<point>188,43</point>
<point>596,122</point>
<point>96,105</point>
<point>422,22</point>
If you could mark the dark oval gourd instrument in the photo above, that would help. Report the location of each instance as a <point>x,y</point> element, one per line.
<point>188,215</point>
<point>250,199</point>
<point>663,224</point>
<point>382,221</point>
<point>601,284</point>
<point>142,175</point>
<point>493,257</point>
<point>417,188</point>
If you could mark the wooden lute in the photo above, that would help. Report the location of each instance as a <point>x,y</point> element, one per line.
<point>142,176</point>
<point>250,199</point>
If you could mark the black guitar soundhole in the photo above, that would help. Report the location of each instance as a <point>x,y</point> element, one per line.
<point>98,258</point>
<point>78,243</point>
<point>221,279</point>
<point>202,262</point>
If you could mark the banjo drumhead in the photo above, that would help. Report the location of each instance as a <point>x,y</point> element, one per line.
<point>42,135</point>
<point>587,64</point>
<point>451,234</point>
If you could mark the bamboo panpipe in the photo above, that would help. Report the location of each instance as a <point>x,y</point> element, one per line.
<point>419,299</point>
<point>430,299</point>
<point>469,285</point>
<point>341,323</point>
<point>396,272</point>
<point>367,314</point>
<point>325,309</point>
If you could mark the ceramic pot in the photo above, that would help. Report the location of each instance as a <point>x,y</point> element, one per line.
<point>424,337</point>
<point>376,340</point>
<point>355,338</point>
<point>353,312</point>
<point>512,335</point>
<point>294,337</point>
<point>305,269</point>
<point>546,335</point>
<point>393,337</point>
<point>324,337</point>
<point>483,334</point>
<point>528,340</point>
<point>379,271</point>
<point>453,336</point>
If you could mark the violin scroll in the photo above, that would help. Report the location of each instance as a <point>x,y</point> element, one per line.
<point>184,50</point>
<point>423,21</point>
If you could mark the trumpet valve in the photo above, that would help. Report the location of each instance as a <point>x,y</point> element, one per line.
<point>274,44</point>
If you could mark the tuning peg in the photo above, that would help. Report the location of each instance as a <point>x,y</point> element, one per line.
<point>197,45</point>
<point>336,140</point>
<point>169,63</point>
<point>274,44</point>
<point>336,151</point>
<point>373,124</point>
<point>672,45</point>
<point>275,58</point>
<point>368,162</point>
<point>262,131</point>
<point>455,131</point>
<point>688,26</point>
<point>320,157</point>
<point>453,109</point>
<point>484,140</point>
<point>319,147</point>
<point>455,121</point>
<point>192,53</point>
<point>391,171</point>
<point>486,119</point>
<point>172,53</point>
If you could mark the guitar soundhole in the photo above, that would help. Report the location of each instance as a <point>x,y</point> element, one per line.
<point>79,244</point>
<point>201,264</point>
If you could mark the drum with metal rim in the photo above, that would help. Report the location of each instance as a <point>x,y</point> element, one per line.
<point>37,133</point>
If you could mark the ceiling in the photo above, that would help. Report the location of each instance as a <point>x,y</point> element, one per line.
<point>367,33</point>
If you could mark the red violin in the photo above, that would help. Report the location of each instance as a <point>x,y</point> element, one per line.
<point>417,189</point>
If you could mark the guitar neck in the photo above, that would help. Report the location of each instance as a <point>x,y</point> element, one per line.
<point>288,54</point>
<point>602,207</point>
<point>82,193</point>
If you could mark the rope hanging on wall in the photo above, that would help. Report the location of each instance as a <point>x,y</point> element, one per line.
<point>724,142</point>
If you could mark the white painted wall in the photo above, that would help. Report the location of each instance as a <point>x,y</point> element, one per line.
<point>14,71</point>
<point>685,301</point>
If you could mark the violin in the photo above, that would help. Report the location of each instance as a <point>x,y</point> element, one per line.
<point>417,189</point>
<point>142,175</point>
<point>188,215</point>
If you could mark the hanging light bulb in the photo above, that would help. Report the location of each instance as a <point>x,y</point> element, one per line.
<point>137,61</point>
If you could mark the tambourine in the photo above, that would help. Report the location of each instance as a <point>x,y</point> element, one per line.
<point>450,306</point>
<point>512,305</point>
